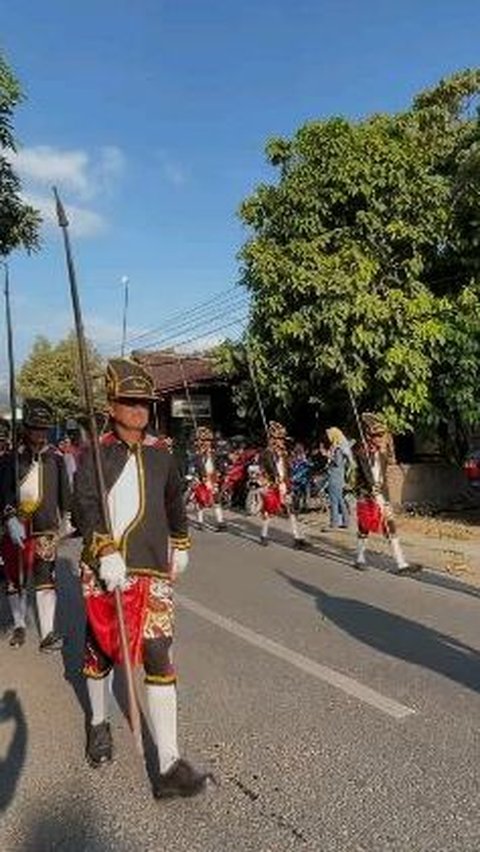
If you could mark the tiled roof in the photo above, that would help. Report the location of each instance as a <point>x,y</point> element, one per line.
<point>170,370</point>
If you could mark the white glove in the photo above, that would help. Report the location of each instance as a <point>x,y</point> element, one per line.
<point>113,571</point>
<point>16,531</point>
<point>180,560</point>
<point>66,527</point>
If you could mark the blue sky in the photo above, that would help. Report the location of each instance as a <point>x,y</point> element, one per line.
<point>152,115</point>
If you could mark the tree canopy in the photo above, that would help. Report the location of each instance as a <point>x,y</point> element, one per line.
<point>363,262</point>
<point>51,372</point>
<point>19,222</point>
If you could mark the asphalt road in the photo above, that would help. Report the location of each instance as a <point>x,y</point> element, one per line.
<point>338,711</point>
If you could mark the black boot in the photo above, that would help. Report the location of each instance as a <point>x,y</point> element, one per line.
<point>52,642</point>
<point>99,744</point>
<point>264,541</point>
<point>17,639</point>
<point>181,780</point>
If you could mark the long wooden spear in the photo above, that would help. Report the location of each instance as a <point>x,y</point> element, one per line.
<point>13,413</point>
<point>133,710</point>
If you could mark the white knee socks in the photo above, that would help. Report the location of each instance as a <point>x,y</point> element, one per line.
<point>46,603</point>
<point>397,552</point>
<point>361,548</point>
<point>18,608</point>
<point>162,705</point>
<point>219,514</point>
<point>99,693</point>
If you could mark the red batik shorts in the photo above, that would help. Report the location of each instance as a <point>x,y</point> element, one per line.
<point>149,615</point>
<point>38,557</point>
<point>271,500</point>
<point>203,495</point>
<point>370,516</point>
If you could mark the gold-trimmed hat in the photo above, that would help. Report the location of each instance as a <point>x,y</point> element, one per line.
<point>126,378</point>
<point>37,414</point>
<point>277,431</point>
<point>204,435</point>
<point>373,424</point>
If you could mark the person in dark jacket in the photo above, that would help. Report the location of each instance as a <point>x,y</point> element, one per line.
<point>276,490</point>
<point>374,510</point>
<point>32,514</point>
<point>141,553</point>
<point>209,468</point>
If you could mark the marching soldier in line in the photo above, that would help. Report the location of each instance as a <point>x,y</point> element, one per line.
<point>32,516</point>
<point>374,511</point>
<point>142,554</point>
<point>276,497</point>
<point>207,491</point>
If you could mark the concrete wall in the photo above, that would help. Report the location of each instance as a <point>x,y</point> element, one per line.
<point>426,482</point>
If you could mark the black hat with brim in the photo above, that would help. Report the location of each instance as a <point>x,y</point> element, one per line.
<point>37,414</point>
<point>125,379</point>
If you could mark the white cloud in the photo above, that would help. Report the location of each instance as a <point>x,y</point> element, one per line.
<point>83,176</point>
<point>83,222</point>
<point>74,170</point>
<point>45,165</point>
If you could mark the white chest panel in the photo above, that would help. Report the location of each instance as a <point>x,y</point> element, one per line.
<point>124,498</point>
<point>30,489</point>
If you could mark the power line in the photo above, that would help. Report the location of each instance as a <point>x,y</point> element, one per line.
<point>180,316</point>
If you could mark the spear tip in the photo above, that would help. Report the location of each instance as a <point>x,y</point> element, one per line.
<point>61,215</point>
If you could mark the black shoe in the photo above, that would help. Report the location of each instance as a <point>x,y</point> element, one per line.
<point>221,527</point>
<point>52,642</point>
<point>264,541</point>
<point>181,780</point>
<point>407,570</point>
<point>299,544</point>
<point>17,639</point>
<point>99,744</point>
<point>360,566</point>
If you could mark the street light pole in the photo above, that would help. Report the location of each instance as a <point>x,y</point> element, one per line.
<point>125,311</point>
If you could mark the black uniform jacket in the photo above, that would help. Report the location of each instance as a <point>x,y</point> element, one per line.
<point>161,515</point>
<point>200,465</point>
<point>54,492</point>
<point>268,464</point>
<point>365,485</point>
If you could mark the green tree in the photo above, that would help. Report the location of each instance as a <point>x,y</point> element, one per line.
<point>19,222</point>
<point>51,372</point>
<point>363,263</point>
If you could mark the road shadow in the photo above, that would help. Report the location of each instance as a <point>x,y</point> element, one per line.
<point>395,635</point>
<point>71,827</point>
<point>11,766</point>
<point>343,555</point>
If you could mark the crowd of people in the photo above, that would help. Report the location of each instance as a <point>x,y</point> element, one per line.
<point>135,532</point>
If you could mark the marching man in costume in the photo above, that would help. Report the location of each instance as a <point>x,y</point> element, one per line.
<point>207,491</point>
<point>275,492</point>
<point>142,556</point>
<point>374,511</point>
<point>32,522</point>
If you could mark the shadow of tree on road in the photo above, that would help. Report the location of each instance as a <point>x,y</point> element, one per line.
<point>12,765</point>
<point>396,636</point>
